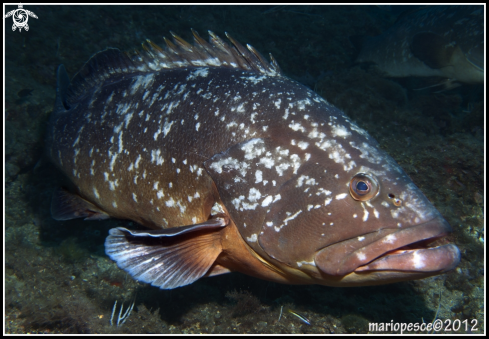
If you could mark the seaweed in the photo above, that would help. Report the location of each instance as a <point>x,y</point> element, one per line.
<point>245,303</point>
<point>70,316</point>
<point>354,323</point>
<point>71,251</point>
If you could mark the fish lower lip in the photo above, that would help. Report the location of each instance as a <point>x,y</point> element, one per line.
<point>433,259</point>
<point>385,250</point>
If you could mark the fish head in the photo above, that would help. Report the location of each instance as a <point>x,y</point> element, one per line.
<point>385,231</point>
<point>358,221</point>
<point>324,202</point>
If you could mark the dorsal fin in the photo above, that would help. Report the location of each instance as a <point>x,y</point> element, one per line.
<point>100,66</point>
<point>176,54</point>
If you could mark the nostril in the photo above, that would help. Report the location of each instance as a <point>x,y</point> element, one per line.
<point>396,201</point>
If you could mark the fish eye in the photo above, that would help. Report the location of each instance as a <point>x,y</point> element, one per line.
<point>363,187</point>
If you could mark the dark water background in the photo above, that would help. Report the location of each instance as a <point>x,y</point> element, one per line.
<point>57,277</point>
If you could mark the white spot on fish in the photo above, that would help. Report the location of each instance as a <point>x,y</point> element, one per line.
<point>389,239</point>
<point>216,209</point>
<point>267,162</point>
<point>254,194</point>
<point>418,260</point>
<point>258,175</point>
<point>300,263</point>
<point>292,217</point>
<point>365,213</point>
<point>286,115</point>
<point>253,148</point>
<point>253,238</point>
<point>267,201</point>
<point>340,131</point>
<point>155,157</point>
<point>302,145</point>
<point>199,72</point>
<point>295,126</point>
<point>95,192</point>
<point>170,202</point>
<point>277,103</point>
<point>136,164</point>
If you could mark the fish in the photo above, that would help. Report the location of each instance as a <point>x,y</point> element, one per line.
<point>300,316</point>
<point>230,166</point>
<point>431,41</point>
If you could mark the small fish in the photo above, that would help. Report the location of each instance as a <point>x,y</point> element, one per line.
<point>431,41</point>
<point>232,166</point>
<point>300,316</point>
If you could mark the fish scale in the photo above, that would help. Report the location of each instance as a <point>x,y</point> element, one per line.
<point>233,167</point>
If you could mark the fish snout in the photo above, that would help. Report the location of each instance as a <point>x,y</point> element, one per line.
<point>389,249</point>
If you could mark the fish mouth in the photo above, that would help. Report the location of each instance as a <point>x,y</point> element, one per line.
<point>413,249</point>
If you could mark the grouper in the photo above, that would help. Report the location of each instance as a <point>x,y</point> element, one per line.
<point>228,165</point>
<point>431,41</point>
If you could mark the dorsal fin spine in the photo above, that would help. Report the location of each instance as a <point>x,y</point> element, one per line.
<point>176,54</point>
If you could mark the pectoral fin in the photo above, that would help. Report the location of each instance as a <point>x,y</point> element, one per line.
<point>217,269</point>
<point>167,258</point>
<point>66,206</point>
